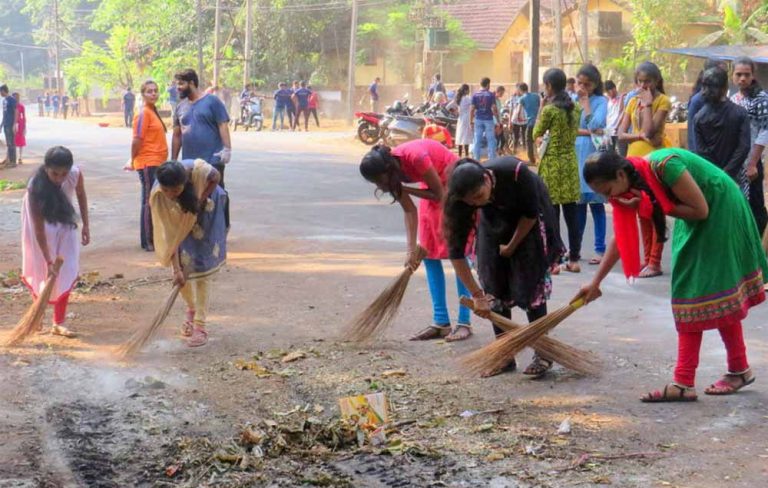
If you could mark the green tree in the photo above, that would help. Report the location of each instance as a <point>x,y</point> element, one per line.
<point>740,24</point>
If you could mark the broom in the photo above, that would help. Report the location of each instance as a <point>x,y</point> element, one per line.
<point>496,354</point>
<point>570,357</point>
<point>33,319</point>
<point>145,334</point>
<point>380,313</point>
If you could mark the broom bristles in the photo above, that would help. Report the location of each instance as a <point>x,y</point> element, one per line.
<point>497,354</point>
<point>568,356</point>
<point>382,311</point>
<point>33,318</point>
<point>145,334</point>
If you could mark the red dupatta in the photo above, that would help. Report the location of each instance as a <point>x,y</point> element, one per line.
<point>625,218</point>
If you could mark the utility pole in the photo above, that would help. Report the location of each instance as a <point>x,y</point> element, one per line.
<point>57,34</point>
<point>248,41</point>
<point>23,75</point>
<point>557,14</point>
<point>351,67</point>
<point>584,40</point>
<point>199,8</point>
<point>534,15</point>
<point>216,42</point>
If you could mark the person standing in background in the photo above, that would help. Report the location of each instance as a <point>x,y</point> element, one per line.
<point>752,97</point>
<point>314,104</point>
<point>10,124</point>
<point>373,93</point>
<point>20,139</point>
<point>55,100</point>
<point>173,97</point>
<point>697,101</point>
<point>482,116</point>
<point>64,106</point>
<point>614,111</point>
<point>128,103</point>
<point>531,103</point>
<point>301,102</point>
<point>282,98</point>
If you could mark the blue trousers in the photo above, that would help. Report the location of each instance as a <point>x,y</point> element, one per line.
<point>598,217</point>
<point>436,282</point>
<point>278,111</point>
<point>487,128</point>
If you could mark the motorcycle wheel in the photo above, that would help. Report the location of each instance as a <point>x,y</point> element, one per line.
<point>368,133</point>
<point>259,125</point>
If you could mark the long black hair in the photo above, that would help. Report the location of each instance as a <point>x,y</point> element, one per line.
<point>604,165</point>
<point>755,88</point>
<point>653,72</point>
<point>555,78</point>
<point>467,176</point>
<point>173,173</point>
<point>714,85</point>
<point>708,64</point>
<point>590,71</point>
<point>54,205</point>
<point>380,161</point>
<point>463,92</point>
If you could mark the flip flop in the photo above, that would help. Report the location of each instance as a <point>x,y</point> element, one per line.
<point>596,260</point>
<point>645,273</point>
<point>461,332</point>
<point>432,332</point>
<point>62,331</point>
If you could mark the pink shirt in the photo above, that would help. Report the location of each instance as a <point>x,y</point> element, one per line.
<point>416,157</point>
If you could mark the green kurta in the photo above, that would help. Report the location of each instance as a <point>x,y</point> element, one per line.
<point>718,264</point>
<point>559,167</point>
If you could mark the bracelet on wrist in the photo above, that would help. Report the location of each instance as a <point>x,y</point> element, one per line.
<point>478,294</point>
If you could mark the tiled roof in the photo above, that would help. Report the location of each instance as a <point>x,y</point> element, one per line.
<point>486,21</point>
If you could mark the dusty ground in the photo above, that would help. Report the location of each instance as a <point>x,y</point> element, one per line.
<point>309,248</point>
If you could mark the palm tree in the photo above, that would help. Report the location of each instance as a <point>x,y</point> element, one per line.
<point>738,27</point>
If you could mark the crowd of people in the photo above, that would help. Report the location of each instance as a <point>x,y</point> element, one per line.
<point>594,147</point>
<point>57,105</point>
<point>300,99</point>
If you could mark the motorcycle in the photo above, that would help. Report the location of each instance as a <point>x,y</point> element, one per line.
<point>404,128</point>
<point>678,113</point>
<point>251,114</point>
<point>369,127</point>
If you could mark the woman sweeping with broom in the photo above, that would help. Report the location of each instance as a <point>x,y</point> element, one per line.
<point>49,229</point>
<point>427,163</point>
<point>718,265</point>
<point>517,243</point>
<point>190,234</point>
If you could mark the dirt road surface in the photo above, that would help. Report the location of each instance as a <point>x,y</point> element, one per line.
<point>310,246</point>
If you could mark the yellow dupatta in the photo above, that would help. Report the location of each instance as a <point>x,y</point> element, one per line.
<point>171,224</point>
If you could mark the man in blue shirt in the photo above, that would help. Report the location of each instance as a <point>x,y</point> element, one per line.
<point>301,99</point>
<point>481,115</point>
<point>282,97</point>
<point>530,102</point>
<point>10,124</point>
<point>201,127</point>
<point>436,87</point>
<point>129,103</point>
<point>373,92</point>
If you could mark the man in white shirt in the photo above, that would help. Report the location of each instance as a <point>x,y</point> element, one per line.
<point>614,110</point>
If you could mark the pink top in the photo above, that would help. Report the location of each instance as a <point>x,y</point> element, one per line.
<point>314,99</point>
<point>416,157</point>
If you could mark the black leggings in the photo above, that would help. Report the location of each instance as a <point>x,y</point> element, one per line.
<point>571,215</point>
<point>313,112</point>
<point>533,315</point>
<point>220,168</point>
<point>757,200</point>
<point>466,150</point>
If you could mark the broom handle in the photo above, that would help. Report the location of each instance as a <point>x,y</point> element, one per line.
<point>500,320</point>
<point>57,264</point>
<point>421,253</point>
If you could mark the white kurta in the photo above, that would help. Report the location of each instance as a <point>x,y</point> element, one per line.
<point>464,134</point>
<point>63,240</point>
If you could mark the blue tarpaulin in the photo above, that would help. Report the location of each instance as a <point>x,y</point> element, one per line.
<point>758,53</point>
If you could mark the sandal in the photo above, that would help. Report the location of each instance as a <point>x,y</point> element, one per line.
<point>510,367</point>
<point>664,396</point>
<point>571,267</point>
<point>723,387</point>
<point>596,260</point>
<point>538,367</point>
<point>198,338</point>
<point>554,270</point>
<point>187,328</point>
<point>459,333</point>
<point>432,332</point>
<point>62,331</point>
<point>649,272</point>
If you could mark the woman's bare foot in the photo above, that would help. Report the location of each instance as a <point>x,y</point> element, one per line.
<point>650,272</point>
<point>572,267</point>
<point>459,333</point>
<point>671,393</point>
<point>62,331</point>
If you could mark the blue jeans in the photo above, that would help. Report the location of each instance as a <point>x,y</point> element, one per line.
<point>436,282</point>
<point>598,217</point>
<point>278,111</point>
<point>486,127</point>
